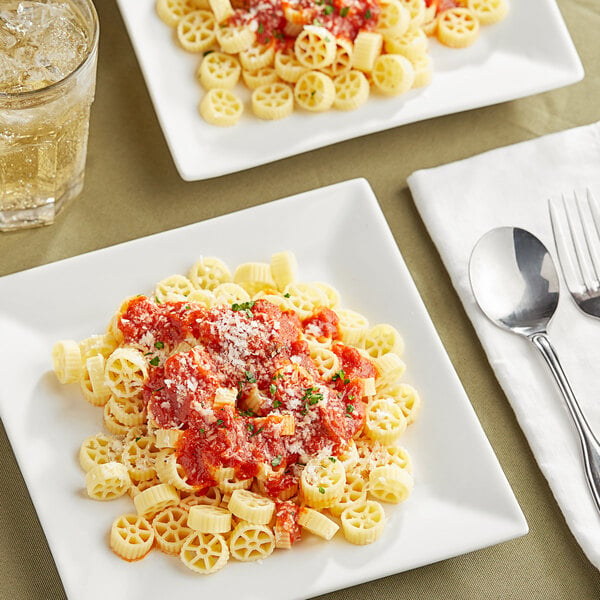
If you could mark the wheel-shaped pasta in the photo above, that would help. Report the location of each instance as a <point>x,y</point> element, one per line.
<point>171,11</point>
<point>170,529</point>
<point>139,456</point>
<point>204,552</point>
<point>351,90</point>
<point>230,293</point>
<point>208,272</point>
<point>317,523</point>
<point>315,47</point>
<point>314,91</point>
<point>488,12</point>
<point>112,423</point>
<point>363,522</point>
<point>222,9</point>
<point>254,277</point>
<point>251,507</point>
<point>221,107</point>
<point>139,486</point>
<point>107,481</point>
<point>167,438</point>
<point>273,101</point>
<point>212,496</point>
<point>97,344</point>
<point>131,537</point>
<point>204,298</point>
<point>326,362</point>
<point>322,482</point>
<point>305,298</point>
<point>155,499</point>
<point>225,397</point>
<point>287,65</point>
<point>229,484</point>
<point>355,491</point>
<point>342,61</point>
<point>66,359</point>
<point>381,339</point>
<point>250,542</point>
<point>98,449</point>
<point>93,384</point>
<point>353,326</point>
<point>457,27</point>
<point>390,483</point>
<point>129,411</point>
<point>349,456</point>
<point>219,71</point>
<point>394,18</point>
<point>390,367</point>
<point>384,422</point>
<point>207,518</point>
<point>407,398</point>
<point>257,56</point>
<point>197,31</point>
<point>174,287</point>
<point>393,74</point>
<point>423,66</point>
<point>126,372</point>
<point>284,268</point>
<point>235,39</point>
<point>260,77</point>
<point>367,47</point>
<point>170,471</point>
<point>416,10</point>
<point>391,455</point>
<point>412,44</point>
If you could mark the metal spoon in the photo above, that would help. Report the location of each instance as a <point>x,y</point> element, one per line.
<point>516,285</point>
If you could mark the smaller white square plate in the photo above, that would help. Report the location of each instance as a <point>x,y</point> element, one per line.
<point>527,53</point>
<point>461,500</point>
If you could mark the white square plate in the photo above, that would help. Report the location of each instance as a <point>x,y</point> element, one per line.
<point>527,53</point>
<point>461,500</point>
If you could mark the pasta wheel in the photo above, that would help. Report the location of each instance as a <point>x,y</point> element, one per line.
<point>131,537</point>
<point>351,90</point>
<point>407,398</point>
<point>170,471</point>
<point>93,385</point>
<point>353,326</point>
<point>423,70</point>
<point>222,9</point>
<point>251,507</point>
<point>155,499</point>
<point>342,61</point>
<point>390,455</point>
<point>170,529</point>
<point>382,339</point>
<point>204,298</point>
<point>257,56</point>
<point>287,66</point>
<point>125,372</point>
<point>225,397</point>
<point>207,518</point>
<point>488,12</point>
<point>315,47</point>
<point>128,411</point>
<point>235,39</point>
<point>204,552</point>
<point>254,277</point>
<point>317,523</point>
<point>349,456</point>
<point>260,77</point>
<point>174,287</point>
<point>221,107</point>
<point>139,486</point>
<point>112,423</point>
<point>196,31</point>
<point>98,449</point>
<point>367,47</point>
<point>332,296</point>
<point>107,481</point>
<point>416,10</point>
<point>275,299</point>
<point>207,273</point>
<point>412,44</point>
<point>385,422</point>
<point>167,438</point>
<point>219,71</point>
<point>363,522</point>
<point>314,91</point>
<point>66,359</point>
<point>393,74</point>
<point>305,298</point>
<point>139,456</point>
<point>457,27</point>
<point>325,360</point>
<point>250,542</point>
<point>171,11</point>
<point>284,268</point>
<point>390,367</point>
<point>355,491</point>
<point>273,101</point>
<point>394,18</point>
<point>390,484</point>
<point>230,293</point>
<point>97,344</point>
<point>228,485</point>
<point>322,482</point>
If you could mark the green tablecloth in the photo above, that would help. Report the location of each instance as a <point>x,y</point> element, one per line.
<point>132,190</point>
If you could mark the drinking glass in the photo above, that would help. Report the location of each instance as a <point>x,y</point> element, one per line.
<point>48,56</point>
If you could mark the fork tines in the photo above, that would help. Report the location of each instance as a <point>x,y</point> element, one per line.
<point>576,228</point>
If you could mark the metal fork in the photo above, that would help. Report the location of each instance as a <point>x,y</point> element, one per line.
<point>576,228</point>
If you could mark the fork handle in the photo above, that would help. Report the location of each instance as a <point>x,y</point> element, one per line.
<point>589,444</point>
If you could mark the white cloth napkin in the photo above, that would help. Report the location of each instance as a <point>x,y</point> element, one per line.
<point>461,201</point>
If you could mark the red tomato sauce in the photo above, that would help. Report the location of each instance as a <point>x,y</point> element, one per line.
<point>258,350</point>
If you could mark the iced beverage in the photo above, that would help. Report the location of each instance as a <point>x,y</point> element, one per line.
<point>48,52</point>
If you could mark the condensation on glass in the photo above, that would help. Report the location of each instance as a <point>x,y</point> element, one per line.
<point>48,55</point>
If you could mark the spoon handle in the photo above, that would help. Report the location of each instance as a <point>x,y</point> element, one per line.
<point>589,444</point>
